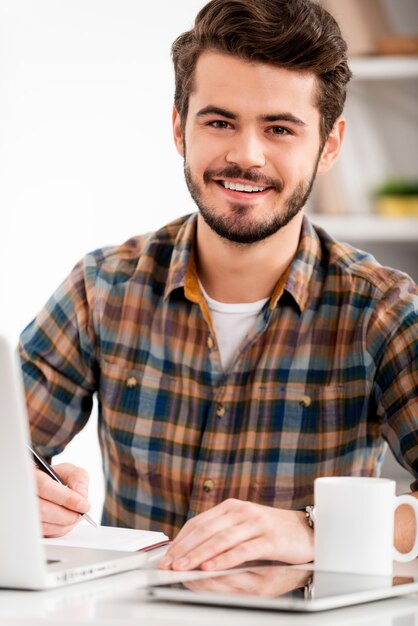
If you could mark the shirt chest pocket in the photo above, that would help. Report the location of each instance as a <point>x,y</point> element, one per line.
<point>300,407</point>
<point>134,403</point>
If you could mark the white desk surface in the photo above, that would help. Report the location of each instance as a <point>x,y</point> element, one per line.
<point>118,601</point>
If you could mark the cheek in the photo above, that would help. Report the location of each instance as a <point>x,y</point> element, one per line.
<point>295,166</point>
<point>199,160</point>
<point>203,151</point>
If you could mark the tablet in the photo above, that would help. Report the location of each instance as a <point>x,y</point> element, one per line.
<point>283,588</point>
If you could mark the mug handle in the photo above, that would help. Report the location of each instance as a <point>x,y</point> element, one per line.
<point>413,553</point>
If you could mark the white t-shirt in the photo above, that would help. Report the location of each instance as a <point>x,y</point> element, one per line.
<point>232,323</point>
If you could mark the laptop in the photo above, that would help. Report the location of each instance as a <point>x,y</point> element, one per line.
<point>25,563</point>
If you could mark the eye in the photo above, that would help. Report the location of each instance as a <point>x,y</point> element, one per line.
<point>280,130</point>
<point>219,124</point>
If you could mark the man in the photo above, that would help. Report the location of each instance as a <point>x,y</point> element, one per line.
<point>239,353</point>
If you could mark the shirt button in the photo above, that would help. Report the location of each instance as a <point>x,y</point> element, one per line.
<point>210,343</point>
<point>208,485</point>
<point>131,382</point>
<point>305,401</point>
<point>220,411</point>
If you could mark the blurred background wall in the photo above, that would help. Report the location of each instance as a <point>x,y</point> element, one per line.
<point>87,159</point>
<point>371,196</point>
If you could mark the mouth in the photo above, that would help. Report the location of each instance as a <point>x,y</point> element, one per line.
<point>242,189</point>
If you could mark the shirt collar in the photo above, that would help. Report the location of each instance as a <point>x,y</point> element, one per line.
<point>182,256</point>
<point>295,280</point>
<point>183,272</point>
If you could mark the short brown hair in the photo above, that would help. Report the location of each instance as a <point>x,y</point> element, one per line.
<point>294,34</point>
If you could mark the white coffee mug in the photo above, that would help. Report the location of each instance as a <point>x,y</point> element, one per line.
<point>354,525</point>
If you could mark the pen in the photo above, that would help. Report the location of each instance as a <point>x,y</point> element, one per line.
<point>45,467</point>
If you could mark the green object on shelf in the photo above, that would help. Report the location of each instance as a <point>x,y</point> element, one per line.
<point>398,187</point>
<point>397,197</point>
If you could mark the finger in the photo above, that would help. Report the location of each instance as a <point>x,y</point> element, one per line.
<point>49,489</point>
<point>235,583</point>
<point>74,477</point>
<point>208,584</point>
<point>52,530</point>
<point>205,518</point>
<point>217,544</point>
<point>199,532</point>
<point>249,551</point>
<point>52,513</point>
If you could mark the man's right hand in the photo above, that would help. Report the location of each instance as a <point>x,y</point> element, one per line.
<point>61,507</point>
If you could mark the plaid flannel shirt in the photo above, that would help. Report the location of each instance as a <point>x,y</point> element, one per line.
<point>327,374</point>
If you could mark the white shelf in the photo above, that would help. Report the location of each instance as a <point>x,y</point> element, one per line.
<point>367,227</point>
<point>384,67</point>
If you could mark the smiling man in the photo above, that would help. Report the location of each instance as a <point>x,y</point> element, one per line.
<point>240,352</point>
<point>252,162</point>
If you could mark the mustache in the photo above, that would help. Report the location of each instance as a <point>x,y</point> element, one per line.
<point>251,175</point>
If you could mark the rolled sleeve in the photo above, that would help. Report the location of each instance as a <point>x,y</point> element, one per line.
<point>398,388</point>
<point>57,352</point>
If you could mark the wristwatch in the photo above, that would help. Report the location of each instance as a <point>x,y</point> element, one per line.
<point>310,515</point>
<point>308,590</point>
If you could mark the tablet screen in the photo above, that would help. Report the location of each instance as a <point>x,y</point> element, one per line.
<point>283,587</point>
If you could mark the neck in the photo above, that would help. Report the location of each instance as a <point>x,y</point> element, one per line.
<point>233,273</point>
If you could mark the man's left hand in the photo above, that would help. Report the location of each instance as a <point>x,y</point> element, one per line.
<point>236,531</point>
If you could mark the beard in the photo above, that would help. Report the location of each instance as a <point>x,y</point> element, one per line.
<point>239,227</point>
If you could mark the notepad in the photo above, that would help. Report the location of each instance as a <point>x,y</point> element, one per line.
<point>109,538</point>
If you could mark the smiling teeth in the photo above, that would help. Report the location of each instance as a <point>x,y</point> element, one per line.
<point>239,187</point>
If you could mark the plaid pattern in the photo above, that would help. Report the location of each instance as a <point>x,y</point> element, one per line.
<point>328,373</point>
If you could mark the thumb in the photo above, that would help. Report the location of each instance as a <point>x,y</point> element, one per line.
<point>76,478</point>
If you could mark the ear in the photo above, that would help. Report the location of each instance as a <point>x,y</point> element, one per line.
<point>332,146</point>
<point>177,132</point>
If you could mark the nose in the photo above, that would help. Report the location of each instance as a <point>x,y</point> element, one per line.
<point>246,150</point>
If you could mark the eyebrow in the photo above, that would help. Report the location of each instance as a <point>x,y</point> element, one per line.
<point>274,117</point>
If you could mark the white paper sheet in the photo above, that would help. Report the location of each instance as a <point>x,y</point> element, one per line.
<point>108,538</point>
